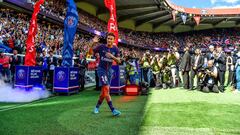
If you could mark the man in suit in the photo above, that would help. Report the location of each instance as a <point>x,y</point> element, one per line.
<point>210,54</point>
<point>14,61</point>
<point>39,59</point>
<point>220,63</point>
<point>82,65</point>
<point>196,65</point>
<point>52,63</point>
<point>185,67</point>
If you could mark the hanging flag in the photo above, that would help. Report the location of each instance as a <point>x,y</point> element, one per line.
<point>70,28</point>
<point>112,22</point>
<point>30,57</point>
<point>174,15</point>
<point>184,18</point>
<point>197,19</point>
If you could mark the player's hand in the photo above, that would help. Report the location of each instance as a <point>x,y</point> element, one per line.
<point>109,55</point>
<point>96,39</point>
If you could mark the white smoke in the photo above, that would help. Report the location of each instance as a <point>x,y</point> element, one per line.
<point>10,95</point>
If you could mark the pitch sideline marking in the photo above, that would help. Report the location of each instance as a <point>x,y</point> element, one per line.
<point>19,106</point>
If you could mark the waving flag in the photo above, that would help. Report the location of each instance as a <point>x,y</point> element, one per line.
<point>70,28</point>
<point>112,23</point>
<point>30,57</point>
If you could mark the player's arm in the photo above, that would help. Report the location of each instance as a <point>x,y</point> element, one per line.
<point>117,59</point>
<point>94,42</point>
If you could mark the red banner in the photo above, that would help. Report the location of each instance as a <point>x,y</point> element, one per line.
<point>30,57</point>
<point>112,22</point>
<point>197,19</point>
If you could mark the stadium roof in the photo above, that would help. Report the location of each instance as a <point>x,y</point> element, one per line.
<point>156,15</point>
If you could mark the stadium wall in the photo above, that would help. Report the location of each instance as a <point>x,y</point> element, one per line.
<point>182,28</point>
<point>128,24</point>
<point>146,27</point>
<point>103,17</point>
<point>87,7</point>
<point>163,28</point>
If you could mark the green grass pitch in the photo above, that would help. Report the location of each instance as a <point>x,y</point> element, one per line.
<point>162,112</point>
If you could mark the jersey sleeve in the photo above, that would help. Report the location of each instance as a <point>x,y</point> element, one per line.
<point>117,52</point>
<point>97,49</point>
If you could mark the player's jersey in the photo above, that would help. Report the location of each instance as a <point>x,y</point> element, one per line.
<point>105,62</point>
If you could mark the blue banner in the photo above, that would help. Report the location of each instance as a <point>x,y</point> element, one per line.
<point>70,27</point>
<point>5,48</point>
<point>0,68</point>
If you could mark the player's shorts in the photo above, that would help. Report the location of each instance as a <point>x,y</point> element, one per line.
<point>105,76</point>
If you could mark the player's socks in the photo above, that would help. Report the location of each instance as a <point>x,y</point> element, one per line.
<point>110,105</point>
<point>98,103</point>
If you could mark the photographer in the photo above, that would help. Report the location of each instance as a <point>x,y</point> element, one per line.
<point>131,67</point>
<point>209,78</point>
<point>156,69</point>
<point>145,62</point>
<point>172,58</point>
<point>165,72</point>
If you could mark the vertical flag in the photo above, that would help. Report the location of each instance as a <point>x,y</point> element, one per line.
<point>70,28</point>
<point>197,19</point>
<point>184,18</point>
<point>112,23</point>
<point>174,15</point>
<point>30,57</point>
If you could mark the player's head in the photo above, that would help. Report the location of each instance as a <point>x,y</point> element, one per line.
<point>110,38</point>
